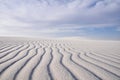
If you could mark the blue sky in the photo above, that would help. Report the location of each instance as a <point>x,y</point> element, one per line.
<point>98,19</point>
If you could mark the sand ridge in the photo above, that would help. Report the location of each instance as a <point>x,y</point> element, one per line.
<point>59,59</point>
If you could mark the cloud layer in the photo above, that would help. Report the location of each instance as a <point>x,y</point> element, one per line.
<point>57,17</point>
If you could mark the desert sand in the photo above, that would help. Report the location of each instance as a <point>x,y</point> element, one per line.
<point>59,59</point>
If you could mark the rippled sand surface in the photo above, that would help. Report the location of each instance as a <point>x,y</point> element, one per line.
<point>59,59</point>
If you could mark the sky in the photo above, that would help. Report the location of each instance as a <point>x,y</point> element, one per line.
<point>97,19</point>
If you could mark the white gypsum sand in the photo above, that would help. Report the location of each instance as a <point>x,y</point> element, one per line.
<point>59,59</point>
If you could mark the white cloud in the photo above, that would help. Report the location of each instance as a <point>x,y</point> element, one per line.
<point>52,16</point>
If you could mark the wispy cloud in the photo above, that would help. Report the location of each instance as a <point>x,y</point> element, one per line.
<point>118,29</point>
<point>56,17</point>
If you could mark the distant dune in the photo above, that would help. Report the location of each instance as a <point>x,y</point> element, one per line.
<point>59,59</point>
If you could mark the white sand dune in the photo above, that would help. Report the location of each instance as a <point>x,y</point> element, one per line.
<point>59,59</point>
